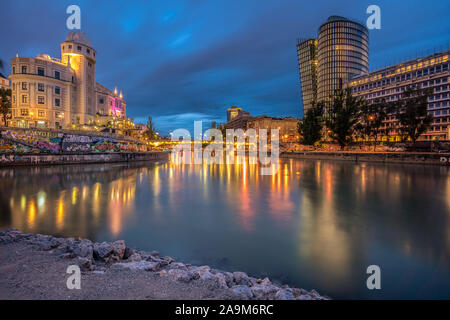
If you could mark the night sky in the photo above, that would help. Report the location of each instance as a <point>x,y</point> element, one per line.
<point>180,61</point>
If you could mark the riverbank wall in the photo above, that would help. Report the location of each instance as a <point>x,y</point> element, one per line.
<point>24,159</point>
<point>427,158</point>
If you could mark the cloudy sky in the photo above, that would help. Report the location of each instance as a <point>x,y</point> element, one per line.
<point>180,61</point>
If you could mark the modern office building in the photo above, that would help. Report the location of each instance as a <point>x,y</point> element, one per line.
<point>389,84</point>
<point>307,62</point>
<point>54,93</point>
<point>340,52</point>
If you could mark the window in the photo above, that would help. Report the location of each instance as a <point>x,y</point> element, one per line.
<point>57,75</point>
<point>70,46</point>
<point>41,100</point>
<point>41,72</point>
<point>41,87</point>
<point>14,70</point>
<point>57,102</point>
<point>57,90</point>
<point>24,99</point>
<point>24,86</point>
<point>24,69</point>
<point>79,48</point>
<point>24,112</point>
<point>88,51</point>
<point>101,101</point>
<point>41,113</point>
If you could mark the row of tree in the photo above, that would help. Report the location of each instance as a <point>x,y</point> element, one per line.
<point>345,117</point>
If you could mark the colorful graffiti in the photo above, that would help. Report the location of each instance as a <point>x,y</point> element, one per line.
<point>35,142</point>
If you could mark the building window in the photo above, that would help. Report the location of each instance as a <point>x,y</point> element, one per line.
<point>24,86</point>
<point>41,72</point>
<point>57,102</point>
<point>57,90</point>
<point>24,112</point>
<point>24,69</point>
<point>14,70</point>
<point>88,51</point>
<point>70,46</point>
<point>41,87</point>
<point>24,99</point>
<point>101,101</point>
<point>41,100</point>
<point>41,113</point>
<point>79,48</point>
<point>57,75</point>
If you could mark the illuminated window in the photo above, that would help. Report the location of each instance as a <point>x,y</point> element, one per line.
<point>41,100</point>
<point>24,112</point>
<point>24,69</point>
<point>24,86</point>
<point>41,87</point>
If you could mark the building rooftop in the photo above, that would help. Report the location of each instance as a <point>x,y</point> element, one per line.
<point>79,37</point>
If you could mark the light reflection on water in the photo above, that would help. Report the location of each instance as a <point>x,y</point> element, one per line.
<point>315,224</point>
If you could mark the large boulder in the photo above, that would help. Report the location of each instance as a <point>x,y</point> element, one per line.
<point>241,278</point>
<point>242,292</point>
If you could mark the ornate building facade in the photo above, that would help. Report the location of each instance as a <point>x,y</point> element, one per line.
<point>60,93</point>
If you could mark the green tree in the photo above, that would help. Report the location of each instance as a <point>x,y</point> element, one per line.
<point>310,127</point>
<point>5,104</point>
<point>412,113</point>
<point>150,133</point>
<point>370,119</point>
<point>342,116</point>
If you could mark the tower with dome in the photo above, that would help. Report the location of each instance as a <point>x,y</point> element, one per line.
<point>62,93</point>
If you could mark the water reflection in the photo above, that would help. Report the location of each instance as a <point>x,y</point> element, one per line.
<point>315,224</point>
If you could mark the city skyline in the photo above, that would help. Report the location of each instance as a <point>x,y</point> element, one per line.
<point>189,69</point>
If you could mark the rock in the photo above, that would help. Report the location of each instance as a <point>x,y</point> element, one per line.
<point>135,257</point>
<point>119,248</point>
<point>304,297</point>
<point>228,278</point>
<point>284,294</point>
<point>264,291</point>
<point>178,265</point>
<point>140,265</point>
<point>83,248</point>
<point>85,264</point>
<point>241,278</point>
<point>128,253</point>
<point>44,245</point>
<point>184,276</point>
<point>219,281</point>
<point>242,292</point>
<point>154,253</point>
<point>169,259</point>
<point>103,250</point>
<point>68,255</point>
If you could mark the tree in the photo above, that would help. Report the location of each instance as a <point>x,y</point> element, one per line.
<point>342,116</point>
<point>310,126</point>
<point>150,133</point>
<point>412,113</point>
<point>5,104</point>
<point>370,119</point>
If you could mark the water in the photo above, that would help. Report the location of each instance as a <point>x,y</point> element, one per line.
<point>316,224</point>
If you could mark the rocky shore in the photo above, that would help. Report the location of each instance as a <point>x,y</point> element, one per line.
<point>33,267</point>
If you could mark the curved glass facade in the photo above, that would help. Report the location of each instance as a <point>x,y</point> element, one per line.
<point>343,52</point>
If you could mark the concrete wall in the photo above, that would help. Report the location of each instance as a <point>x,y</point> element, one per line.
<point>442,159</point>
<point>78,158</point>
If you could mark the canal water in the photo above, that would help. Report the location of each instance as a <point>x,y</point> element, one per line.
<point>315,224</point>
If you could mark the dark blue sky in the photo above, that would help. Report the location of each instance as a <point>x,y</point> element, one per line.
<point>180,61</point>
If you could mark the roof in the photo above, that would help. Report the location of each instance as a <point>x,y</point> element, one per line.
<point>79,37</point>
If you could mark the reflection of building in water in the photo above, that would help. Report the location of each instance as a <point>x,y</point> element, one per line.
<point>87,200</point>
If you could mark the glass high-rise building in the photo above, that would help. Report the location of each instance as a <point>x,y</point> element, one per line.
<point>340,53</point>
<point>343,53</point>
<point>307,62</point>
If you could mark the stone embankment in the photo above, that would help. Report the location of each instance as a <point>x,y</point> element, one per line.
<point>107,257</point>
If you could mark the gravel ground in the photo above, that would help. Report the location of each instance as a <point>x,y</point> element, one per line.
<point>35,267</point>
<point>26,273</point>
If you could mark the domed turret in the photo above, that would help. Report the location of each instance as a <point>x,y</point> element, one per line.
<point>79,37</point>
